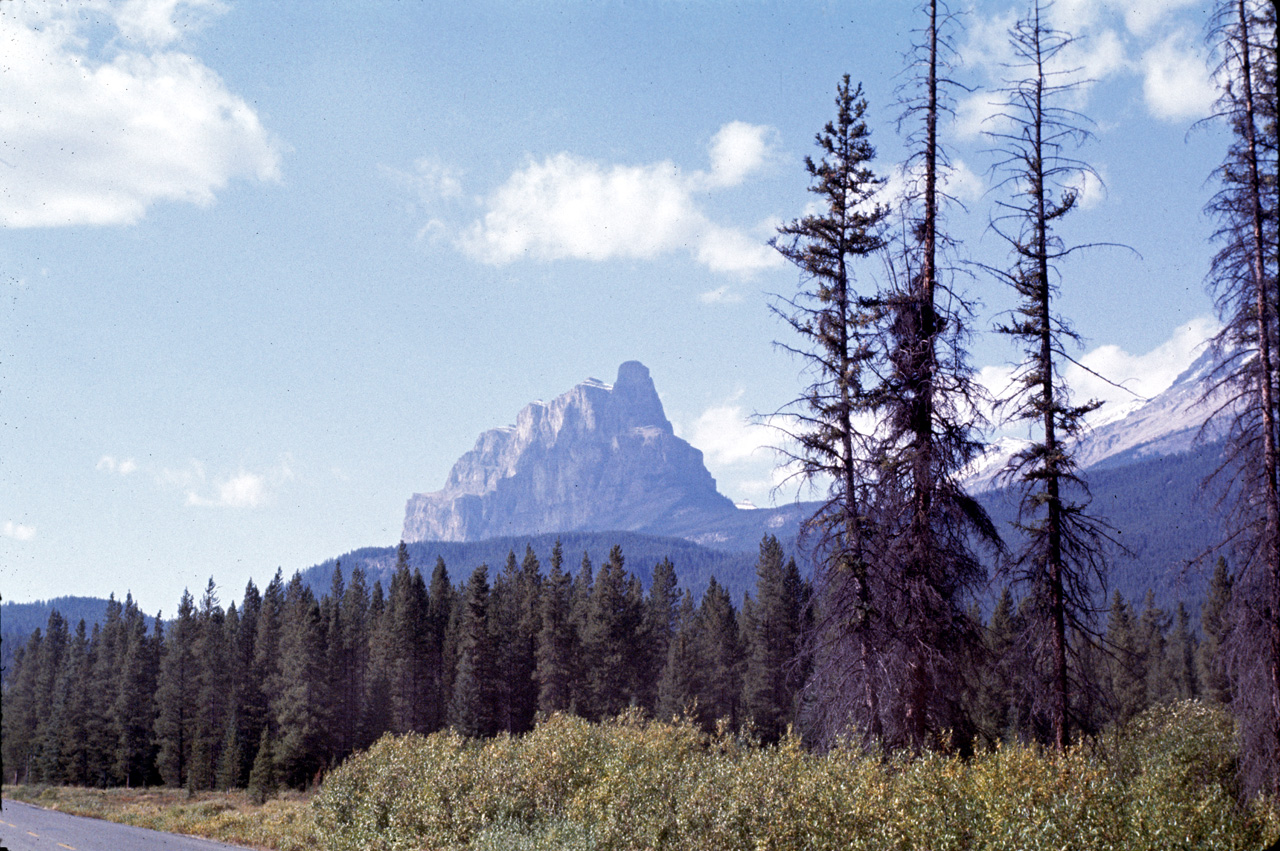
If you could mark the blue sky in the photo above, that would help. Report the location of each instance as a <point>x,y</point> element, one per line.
<point>269,267</point>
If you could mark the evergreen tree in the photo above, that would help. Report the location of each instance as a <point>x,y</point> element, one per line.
<point>177,696</point>
<point>231,754</point>
<point>471,711</point>
<point>721,655</point>
<point>262,777</point>
<point>1152,651</point>
<point>681,681</point>
<point>608,641</point>
<point>348,663</point>
<point>133,710</point>
<point>1209,663</point>
<point>377,715</point>
<point>407,658</point>
<point>100,734</point>
<point>1001,709</point>
<point>843,347</point>
<point>213,690</point>
<point>660,614</point>
<point>771,678</point>
<point>299,707</point>
<point>556,641</point>
<point>441,602</point>
<point>21,709</point>
<point>1182,651</point>
<point>1126,663</point>
<point>64,757</point>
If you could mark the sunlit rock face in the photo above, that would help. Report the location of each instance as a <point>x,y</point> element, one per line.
<point>598,457</point>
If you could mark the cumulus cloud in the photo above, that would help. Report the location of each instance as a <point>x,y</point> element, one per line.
<point>1177,83</point>
<point>727,434</point>
<point>121,466</point>
<point>160,22</point>
<point>569,207</point>
<point>242,489</point>
<point>738,150</point>
<point>1140,375</point>
<point>95,136</point>
<point>959,181</point>
<point>1147,40</point>
<point>17,531</point>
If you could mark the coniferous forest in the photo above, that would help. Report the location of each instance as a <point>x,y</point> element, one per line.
<point>274,690</point>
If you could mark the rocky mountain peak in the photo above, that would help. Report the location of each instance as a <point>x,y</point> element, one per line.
<point>597,457</point>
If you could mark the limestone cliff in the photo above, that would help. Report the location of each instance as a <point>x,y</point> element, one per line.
<point>598,457</point>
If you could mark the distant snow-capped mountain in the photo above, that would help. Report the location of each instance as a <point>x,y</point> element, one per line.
<point>1170,423</point>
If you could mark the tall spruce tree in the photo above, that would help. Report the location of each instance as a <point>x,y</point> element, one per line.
<point>177,696</point>
<point>471,709</point>
<point>681,681</point>
<point>557,644</point>
<point>299,708</point>
<point>772,674</point>
<point>1061,564</point>
<point>843,346</point>
<point>1214,683</point>
<point>927,525</point>
<point>609,635</point>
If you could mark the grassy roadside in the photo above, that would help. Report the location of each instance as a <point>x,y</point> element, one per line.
<point>282,824</point>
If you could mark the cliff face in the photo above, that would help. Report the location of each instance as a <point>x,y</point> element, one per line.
<point>598,457</point>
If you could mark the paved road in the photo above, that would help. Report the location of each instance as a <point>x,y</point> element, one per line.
<point>27,828</point>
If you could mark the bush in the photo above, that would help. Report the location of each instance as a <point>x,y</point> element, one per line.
<point>1164,782</point>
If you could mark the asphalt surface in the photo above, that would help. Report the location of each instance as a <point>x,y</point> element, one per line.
<point>27,828</point>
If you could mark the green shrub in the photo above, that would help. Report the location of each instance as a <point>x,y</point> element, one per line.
<point>1165,782</point>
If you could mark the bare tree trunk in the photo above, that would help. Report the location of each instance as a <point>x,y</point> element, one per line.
<point>1271,529</point>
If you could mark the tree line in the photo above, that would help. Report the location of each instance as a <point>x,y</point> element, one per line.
<point>275,690</point>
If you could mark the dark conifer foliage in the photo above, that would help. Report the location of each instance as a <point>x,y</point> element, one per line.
<point>681,682</point>
<point>773,671</point>
<point>473,709</point>
<point>889,421</point>
<point>721,665</point>
<point>843,345</point>
<point>557,646</point>
<point>177,695</point>
<point>609,641</point>
<point>1213,628</point>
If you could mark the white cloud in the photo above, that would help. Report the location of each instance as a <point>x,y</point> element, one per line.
<point>738,150</point>
<point>1177,84</point>
<point>17,531</point>
<point>1092,190</point>
<point>95,137</point>
<point>161,22</point>
<point>959,181</point>
<point>568,207</point>
<point>243,490</point>
<point>1142,16</point>
<point>122,467</point>
<point>1142,375</point>
<point>726,434</point>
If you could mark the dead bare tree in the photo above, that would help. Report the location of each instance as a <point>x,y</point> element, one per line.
<point>1060,567</point>
<point>1243,280</point>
